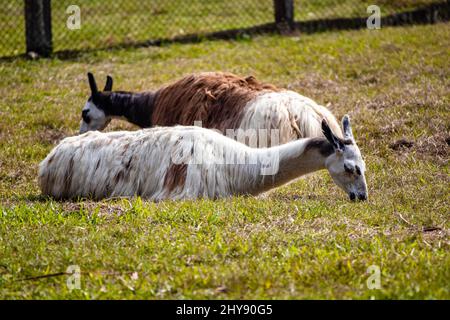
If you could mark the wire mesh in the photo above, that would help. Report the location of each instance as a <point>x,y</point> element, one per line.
<point>105,23</point>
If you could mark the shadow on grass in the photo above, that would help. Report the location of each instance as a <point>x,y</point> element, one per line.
<point>26,198</point>
<point>40,198</point>
<point>430,14</point>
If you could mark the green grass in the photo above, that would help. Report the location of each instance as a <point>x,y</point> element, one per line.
<point>106,23</point>
<point>305,240</point>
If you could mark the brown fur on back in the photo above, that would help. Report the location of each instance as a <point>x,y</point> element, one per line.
<point>217,99</point>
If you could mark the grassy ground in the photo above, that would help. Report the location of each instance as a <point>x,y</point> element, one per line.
<point>106,23</point>
<point>305,240</point>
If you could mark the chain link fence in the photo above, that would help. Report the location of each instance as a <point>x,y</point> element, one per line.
<point>121,22</point>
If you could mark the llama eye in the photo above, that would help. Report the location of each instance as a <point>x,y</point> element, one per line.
<point>348,169</point>
<point>84,115</point>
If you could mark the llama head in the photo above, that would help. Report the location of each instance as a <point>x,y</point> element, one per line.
<point>345,164</point>
<point>94,114</point>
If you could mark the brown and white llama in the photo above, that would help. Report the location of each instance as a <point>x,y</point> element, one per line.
<point>218,100</point>
<point>184,162</point>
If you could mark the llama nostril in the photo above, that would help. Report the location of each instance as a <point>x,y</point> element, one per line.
<point>352,196</point>
<point>362,197</point>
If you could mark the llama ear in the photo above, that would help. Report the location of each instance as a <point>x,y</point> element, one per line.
<point>109,84</point>
<point>335,142</point>
<point>347,128</point>
<point>92,83</point>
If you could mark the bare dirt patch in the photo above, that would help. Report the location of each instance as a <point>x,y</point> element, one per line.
<point>401,144</point>
<point>435,146</point>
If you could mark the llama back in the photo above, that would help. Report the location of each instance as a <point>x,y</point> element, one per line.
<point>225,101</point>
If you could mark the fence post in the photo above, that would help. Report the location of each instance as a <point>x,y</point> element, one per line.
<point>38,27</point>
<point>284,15</point>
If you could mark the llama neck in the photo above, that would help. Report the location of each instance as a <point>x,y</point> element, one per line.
<point>290,161</point>
<point>137,108</point>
